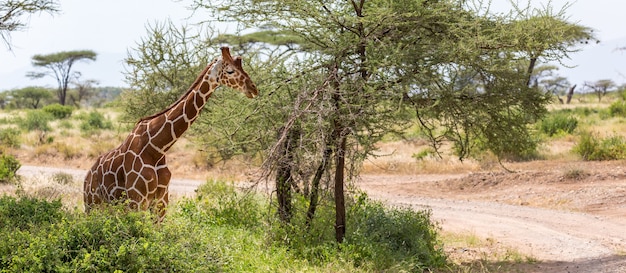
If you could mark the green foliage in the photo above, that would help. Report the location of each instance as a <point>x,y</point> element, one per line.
<point>9,166</point>
<point>30,97</point>
<point>221,204</point>
<point>200,235</point>
<point>393,235</point>
<point>10,137</point>
<point>94,121</point>
<point>27,212</point>
<point>558,122</point>
<point>423,154</point>
<point>618,109</point>
<point>36,120</point>
<point>592,147</point>
<point>59,111</point>
<point>380,237</point>
<point>106,240</point>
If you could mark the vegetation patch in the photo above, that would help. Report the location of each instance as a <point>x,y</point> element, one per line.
<point>237,233</point>
<point>592,147</point>
<point>8,168</point>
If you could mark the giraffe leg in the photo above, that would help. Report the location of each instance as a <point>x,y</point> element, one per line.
<point>162,192</point>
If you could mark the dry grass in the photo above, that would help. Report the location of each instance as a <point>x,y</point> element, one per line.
<point>470,253</point>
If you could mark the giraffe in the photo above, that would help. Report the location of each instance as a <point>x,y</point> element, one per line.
<point>136,171</point>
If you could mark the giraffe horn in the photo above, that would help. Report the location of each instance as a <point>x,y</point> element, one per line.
<point>226,54</point>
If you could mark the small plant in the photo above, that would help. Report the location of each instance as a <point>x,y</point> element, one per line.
<point>95,121</point>
<point>618,109</point>
<point>62,178</point>
<point>574,174</point>
<point>557,123</point>
<point>423,154</point>
<point>36,120</point>
<point>591,147</point>
<point>10,137</point>
<point>8,168</point>
<point>58,111</point>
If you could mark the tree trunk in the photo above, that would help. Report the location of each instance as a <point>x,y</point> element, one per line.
<point>283,175</point>
<point>570,94</point>
<point>340,207</point>
<point>315,186</point>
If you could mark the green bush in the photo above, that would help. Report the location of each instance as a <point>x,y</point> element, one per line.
<point>9,166</point>
<point>110,239</point>
<point>222,229</point>
<point>591,147</point>
<point>378,238</point>
<point>36,120</point>
<point>58,111</point>
<point>95,121</point>
<point>10,137</point>
<point>393,235</point>
<point>26,212</point>
<point>558,123</point>
<point>618,109</point>
<point>221,204</point>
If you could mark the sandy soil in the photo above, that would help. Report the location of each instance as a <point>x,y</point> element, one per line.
<point>569,216</point>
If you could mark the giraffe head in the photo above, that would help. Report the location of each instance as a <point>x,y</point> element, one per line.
<point>231,74</point>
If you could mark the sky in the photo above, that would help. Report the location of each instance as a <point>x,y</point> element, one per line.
<point>112,27</point>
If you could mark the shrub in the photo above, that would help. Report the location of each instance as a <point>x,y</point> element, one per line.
<point>618,109</point>
<point>36,120</point>
<point>27,212</point>
<point>110,239</point>
<point>558,122</point>
<point>95,121</point>
<point>592,147</point>
<point>378,237</point>
<point>10,137</point>
<point>393,235</point>
<point>62,178</point>
<point>58,111</point>
<point>8,168</point>
<point>220,204</point>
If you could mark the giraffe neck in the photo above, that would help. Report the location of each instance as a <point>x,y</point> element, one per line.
<point>166,127</point>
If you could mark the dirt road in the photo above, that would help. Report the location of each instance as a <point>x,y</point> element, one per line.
<point>581,236</point>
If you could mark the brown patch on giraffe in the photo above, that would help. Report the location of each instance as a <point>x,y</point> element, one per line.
<point>191,111</point>
<point>200,100</point>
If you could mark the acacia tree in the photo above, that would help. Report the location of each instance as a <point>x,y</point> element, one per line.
<point>336,76</point>
<point>600,87</point>
<point>460,69</point>
<point>30,97</point>
<point>14,15</point>
<point>59,65</point>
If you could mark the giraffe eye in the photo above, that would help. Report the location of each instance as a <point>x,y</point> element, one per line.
<point>230,71</point>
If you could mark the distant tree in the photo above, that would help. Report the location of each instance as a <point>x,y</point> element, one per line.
<point>30,97</point>
<point>4,99</point>
<point>601,87</point>
<point>83,91</point>
<point>14,15</point>
<point>570,94</point>
<point>59,65</point>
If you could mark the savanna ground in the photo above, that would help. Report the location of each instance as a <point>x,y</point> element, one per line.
<point>556,213</point>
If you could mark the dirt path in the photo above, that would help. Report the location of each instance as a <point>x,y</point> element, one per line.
<point>562,240</point>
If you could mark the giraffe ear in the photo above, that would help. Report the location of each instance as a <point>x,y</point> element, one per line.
<point>238,62</point>
<point>226,54</point>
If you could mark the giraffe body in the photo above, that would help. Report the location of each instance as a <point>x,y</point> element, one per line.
<point>136,170</point>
